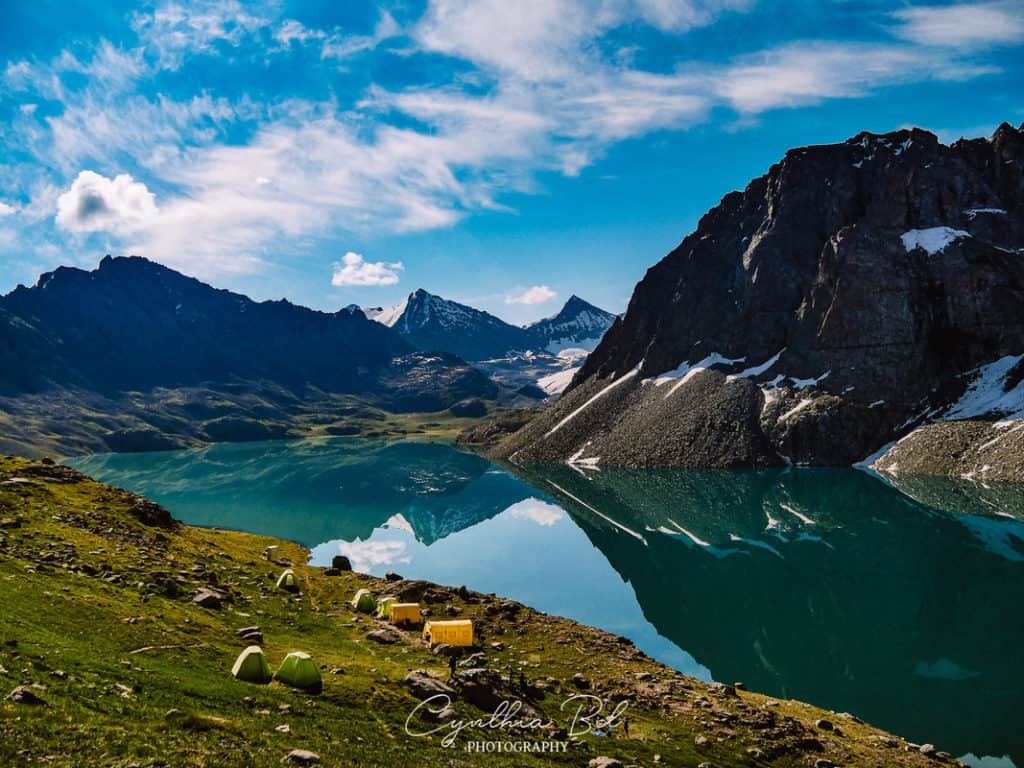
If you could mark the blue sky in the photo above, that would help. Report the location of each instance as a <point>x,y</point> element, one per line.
<point>502,154</point>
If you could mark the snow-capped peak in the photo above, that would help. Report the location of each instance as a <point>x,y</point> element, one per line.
<point>386,315</point>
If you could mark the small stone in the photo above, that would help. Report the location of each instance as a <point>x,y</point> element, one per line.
<point>927,749</point>
<point>170,714</point>
<point>643,676</point>
<point>740,686</point>
<point>301,757</point>
<point>755,753</point>
<point>341,562</point>
<point>207,598</point>
<point>605,762</point>
<point>283,728</point>
<point>824,725</point>
<point>700,741</point>
<point>580,681</point>
<point>823,762</point>
<point>392,576</point>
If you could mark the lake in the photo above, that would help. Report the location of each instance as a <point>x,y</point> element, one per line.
<point>900,603</point>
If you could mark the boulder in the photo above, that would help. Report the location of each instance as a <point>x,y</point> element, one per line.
<point>423,686</point>
<point>384,636</point>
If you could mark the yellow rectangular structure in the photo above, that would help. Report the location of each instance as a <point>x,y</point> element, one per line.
<point>404,613</point>
<point>458,632</point>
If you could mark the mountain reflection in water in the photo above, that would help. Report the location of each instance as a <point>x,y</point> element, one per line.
<point>897,601</point>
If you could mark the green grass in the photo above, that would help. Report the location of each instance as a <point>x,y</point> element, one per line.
<point>127,656</point>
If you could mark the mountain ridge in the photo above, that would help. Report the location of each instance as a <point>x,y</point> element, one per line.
<point>163,360</point>
<point>840,300</point>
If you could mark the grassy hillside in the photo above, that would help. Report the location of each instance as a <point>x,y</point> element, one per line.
<point>76,422</point>
<point>97,621</point>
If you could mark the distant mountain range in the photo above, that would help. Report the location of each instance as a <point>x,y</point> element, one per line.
<point>542,355</point>
<point>856,295</point>
<point>166,358</point>
<point>135,356</point>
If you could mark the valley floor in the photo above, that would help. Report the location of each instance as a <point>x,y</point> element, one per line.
<point>105,659</point>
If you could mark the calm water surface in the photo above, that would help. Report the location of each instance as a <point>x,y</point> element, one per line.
<point>902,605</point>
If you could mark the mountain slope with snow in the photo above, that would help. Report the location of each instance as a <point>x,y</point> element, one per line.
<point>854,293</point>
<point>512,355</point>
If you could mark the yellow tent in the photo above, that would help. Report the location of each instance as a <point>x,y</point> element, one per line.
<point>459,632</point>
<point>406,613</point>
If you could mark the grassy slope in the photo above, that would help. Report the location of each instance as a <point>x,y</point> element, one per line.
<point>129,655</point>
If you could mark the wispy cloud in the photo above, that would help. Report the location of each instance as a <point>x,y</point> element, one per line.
<point>175,31</point>
<point>535,91</point>
<point>354,270</point>
<point>537,294</point>
<point>967,25</point>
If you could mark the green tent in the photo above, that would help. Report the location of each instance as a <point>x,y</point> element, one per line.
<point>288,580</point>
<point>364,602</point>
<point>384,607</point>
<point>300,671</point>
<point>251,666</point>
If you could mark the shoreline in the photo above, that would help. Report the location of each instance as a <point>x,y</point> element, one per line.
<point>681,720</point>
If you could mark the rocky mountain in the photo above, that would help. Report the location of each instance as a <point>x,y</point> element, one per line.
<point>435,324</point>
<point>578,324</point>
<point>133,326</point>
<point>853,294</point>
<point>543,355</point>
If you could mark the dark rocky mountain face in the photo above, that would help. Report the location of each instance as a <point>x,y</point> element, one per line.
<point>88,341</point>
<point>133,324</point>
<point>845,297</point>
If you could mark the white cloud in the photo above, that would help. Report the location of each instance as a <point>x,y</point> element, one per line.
<point>291,30</point>
<point>368,555</point>
<point>804,73</point>
<point>355,270</point>
<point>174,31</point>
<point>540,512</point>
<point>968,25</point>
<point>538,294</point>
<point>95,203</point>
<point>339,45</point>
<point>6,210</point>
<point>539,94</point>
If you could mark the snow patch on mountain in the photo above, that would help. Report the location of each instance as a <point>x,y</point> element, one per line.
<point>386,315</point>
<point>931,240</point>
<point>988,393</point>
<point>555,383</point>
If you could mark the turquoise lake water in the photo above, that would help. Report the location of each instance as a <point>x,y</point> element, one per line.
<point>900,603</point>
